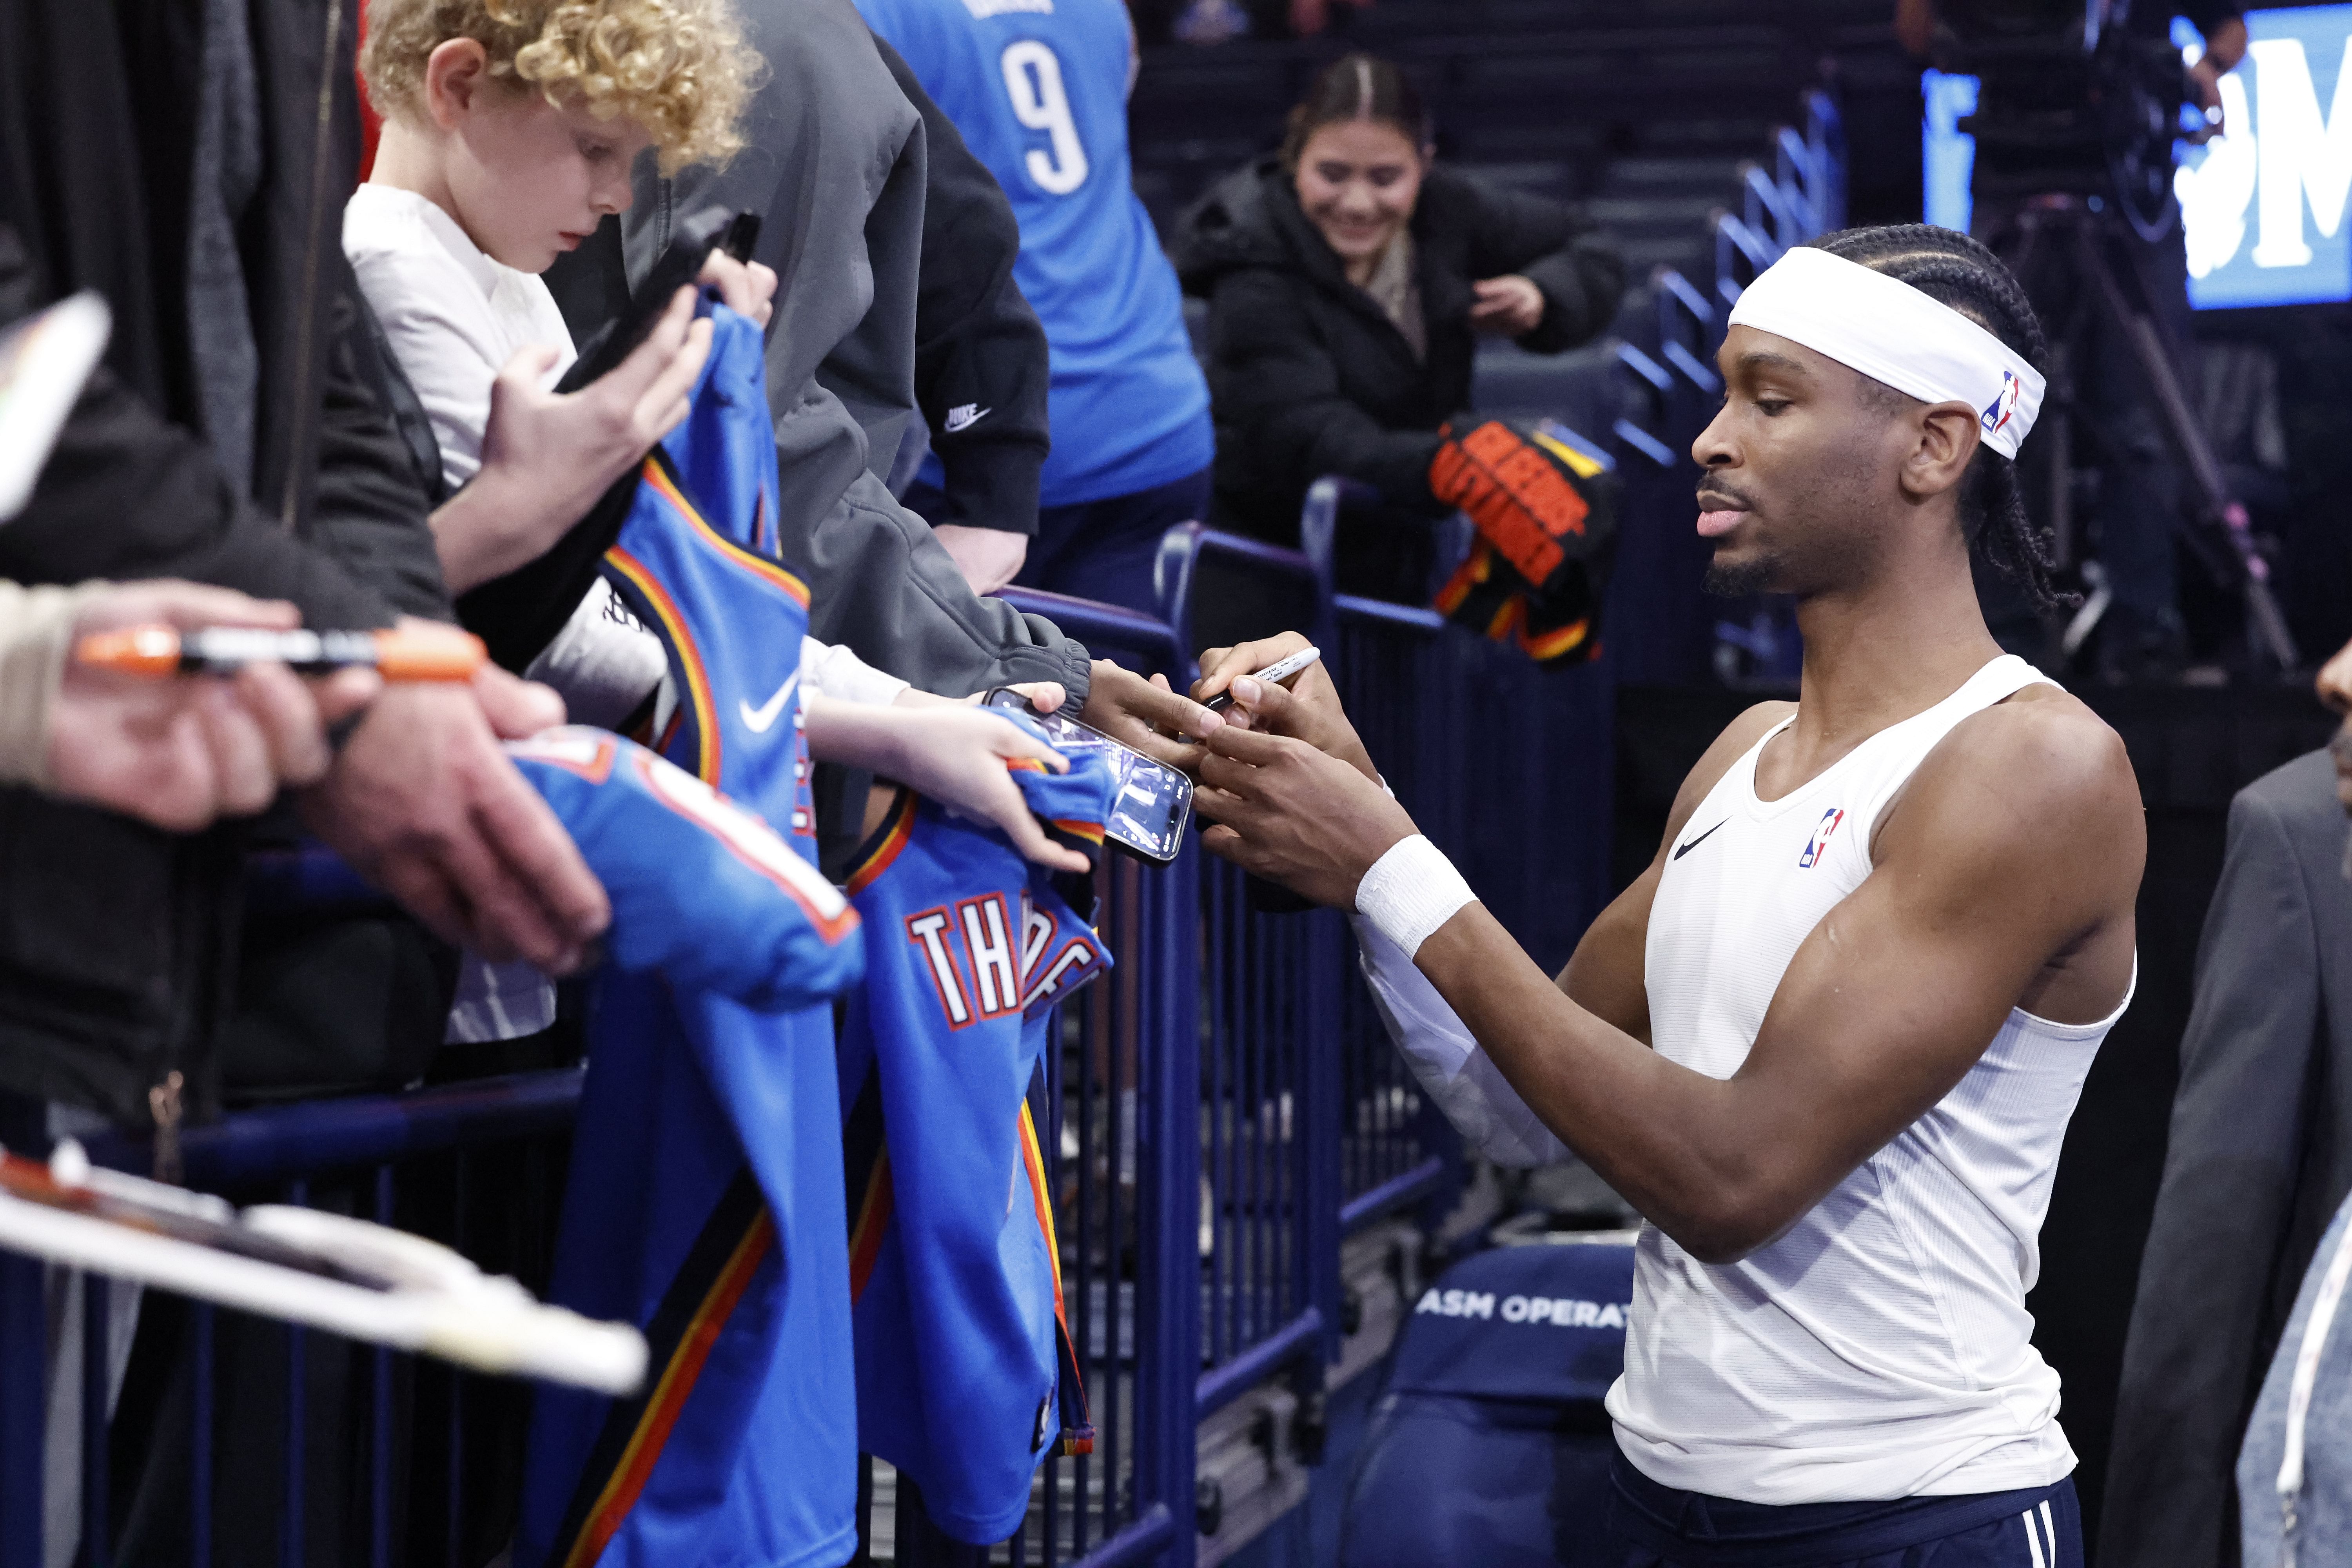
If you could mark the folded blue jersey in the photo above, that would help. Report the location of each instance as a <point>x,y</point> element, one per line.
<point>704,1202</point>
<point>703,891</point>
<point>964,1375</point>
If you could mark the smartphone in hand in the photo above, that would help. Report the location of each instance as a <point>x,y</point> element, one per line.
<point>1154,802</point>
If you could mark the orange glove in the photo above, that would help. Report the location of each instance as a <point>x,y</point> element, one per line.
<point>1545,508</point>
<point>1523,493</point>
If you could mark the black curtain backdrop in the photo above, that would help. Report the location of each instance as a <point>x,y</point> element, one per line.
<point>2192,751</point>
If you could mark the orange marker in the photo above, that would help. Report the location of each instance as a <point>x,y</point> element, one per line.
<point>440,653</point>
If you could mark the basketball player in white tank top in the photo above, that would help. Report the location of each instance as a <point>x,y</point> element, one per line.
<point>1829,1042</point>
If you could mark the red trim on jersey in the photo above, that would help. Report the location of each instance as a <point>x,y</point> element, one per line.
<point>1033,1160</point>
<point>833,925</point>
<point>595,770</point>
<point>900,829</point>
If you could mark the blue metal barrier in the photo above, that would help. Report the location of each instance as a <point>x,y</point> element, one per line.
<point>1269,1037</point>
<point>1390,662</point>
<point>281,1152</point>
<point>1125,1160</point>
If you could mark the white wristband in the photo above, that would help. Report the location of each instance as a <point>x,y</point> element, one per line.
<point>1410,891</point>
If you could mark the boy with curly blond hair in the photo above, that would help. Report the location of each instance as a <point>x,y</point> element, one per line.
<point>510,127</point>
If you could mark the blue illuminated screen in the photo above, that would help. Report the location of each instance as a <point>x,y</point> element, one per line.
<point>2263,208</point>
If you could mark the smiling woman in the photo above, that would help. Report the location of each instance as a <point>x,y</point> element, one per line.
<point>1349,280</point>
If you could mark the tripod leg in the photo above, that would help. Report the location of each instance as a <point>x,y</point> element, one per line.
<point>2265,625</point>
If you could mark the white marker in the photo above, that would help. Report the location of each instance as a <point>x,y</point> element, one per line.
<point>1280,670</point>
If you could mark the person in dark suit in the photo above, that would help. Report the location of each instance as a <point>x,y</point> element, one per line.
<point>2261,1155</point>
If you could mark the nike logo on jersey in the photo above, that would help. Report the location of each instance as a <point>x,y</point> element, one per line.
<point>758,719</point>
<point>1684,850</point>
<point>964,416</point>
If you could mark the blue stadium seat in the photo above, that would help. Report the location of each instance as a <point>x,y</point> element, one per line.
<point>1489,1445</point>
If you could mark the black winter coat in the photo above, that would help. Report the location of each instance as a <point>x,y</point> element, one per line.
<point>118,943</point>
<point>1308,377</point>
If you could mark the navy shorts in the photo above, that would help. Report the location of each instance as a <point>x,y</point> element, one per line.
<point>1664,1528</point>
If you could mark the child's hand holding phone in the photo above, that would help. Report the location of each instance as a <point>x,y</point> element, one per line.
<point>952,754</point>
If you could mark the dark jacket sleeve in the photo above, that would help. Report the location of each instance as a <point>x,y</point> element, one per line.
<point>1556,248</point>
<point>1279,389</point>
<point>370,510</point>
<point>128,494</point>
<point>977,342</point>
<point>2230,1171</point>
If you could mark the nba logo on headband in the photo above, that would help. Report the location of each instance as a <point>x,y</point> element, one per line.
<point>1999,412</point>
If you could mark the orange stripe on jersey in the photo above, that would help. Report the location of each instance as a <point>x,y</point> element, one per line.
<point>901,828</point>
<point>874,1218</point>
<point>1033,1160</point>
<point>658,476</point>
<point>678,1379</point>
<point>1092,832</point>
<point>698,679</point>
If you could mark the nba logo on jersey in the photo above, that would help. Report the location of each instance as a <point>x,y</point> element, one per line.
<point>1821,839</point>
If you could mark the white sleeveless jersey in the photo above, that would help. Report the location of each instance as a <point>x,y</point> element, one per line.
<point>1882,1348</point>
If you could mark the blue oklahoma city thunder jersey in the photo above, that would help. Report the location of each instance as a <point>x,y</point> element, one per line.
<point>704,1199</point>
<point>965,1380</point>
<point>1038,88</point>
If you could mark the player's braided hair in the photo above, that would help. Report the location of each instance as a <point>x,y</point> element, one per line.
<point>1949,267</point>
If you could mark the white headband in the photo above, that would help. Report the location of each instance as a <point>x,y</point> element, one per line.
<point>1893,332</point>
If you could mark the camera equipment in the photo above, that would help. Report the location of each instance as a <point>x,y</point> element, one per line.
<point>2071,101</point>
<point>2076,121</point>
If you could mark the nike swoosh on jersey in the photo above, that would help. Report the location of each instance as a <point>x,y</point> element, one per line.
<point>964,416</point>
<point>1684,849</point>
<point>758,720</point>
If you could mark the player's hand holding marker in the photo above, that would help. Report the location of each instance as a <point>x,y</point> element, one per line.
<point>1303,704</point>
<point>1293,794</point>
